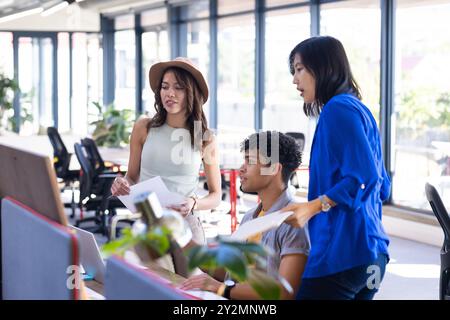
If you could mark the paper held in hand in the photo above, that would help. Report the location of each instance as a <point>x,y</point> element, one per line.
<point>261,224</point>
<point>156,185</point>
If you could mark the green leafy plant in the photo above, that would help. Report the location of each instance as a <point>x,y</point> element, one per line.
<point>243,261</point>
<point>9,87</point>
<point>156,240</point>
<point>112,127</point>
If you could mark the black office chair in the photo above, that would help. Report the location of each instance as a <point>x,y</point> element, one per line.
<point>61,163</point>
<point>300,139</point>
<point>95,189</point>
<point>99,165</point>
<point>444,220</point>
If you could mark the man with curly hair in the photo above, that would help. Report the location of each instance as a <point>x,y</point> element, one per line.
<point>270,159</point>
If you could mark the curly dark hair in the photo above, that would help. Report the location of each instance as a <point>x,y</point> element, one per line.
<point>289,154</point>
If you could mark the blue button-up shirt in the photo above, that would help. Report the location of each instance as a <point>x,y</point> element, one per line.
<point>346,164</point>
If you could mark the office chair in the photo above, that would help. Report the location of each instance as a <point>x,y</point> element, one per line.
<point>300,140</point>
<point>61,162</point>
<point>444,220</point>
<point>99,165</point>
<point>94,193</point>
<point>102,167</point>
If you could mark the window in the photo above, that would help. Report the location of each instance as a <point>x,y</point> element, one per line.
<point>79,84</point>
<point>6,54</point>
<point>125,48</point>
<point>283,106</point>
<point>421,131</point>
<point>357,24</point>
<point>155,48</point>
<point>154,17</point>
<point>94,74</point>
<point>196,9</point>
<point>236,84</point>
<point>233,6</point>
<point>198,50</point>
<point>63,82</point>
<point>124,22</point>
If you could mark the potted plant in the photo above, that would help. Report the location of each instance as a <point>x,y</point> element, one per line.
<point>242,261</point>
<point>112,127</point>
<point>7,89</point>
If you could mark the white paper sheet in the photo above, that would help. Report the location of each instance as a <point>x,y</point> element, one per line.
<point>156,185</point>
<point>261,224</point>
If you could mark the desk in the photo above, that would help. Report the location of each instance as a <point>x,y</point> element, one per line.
<point>173,278</point>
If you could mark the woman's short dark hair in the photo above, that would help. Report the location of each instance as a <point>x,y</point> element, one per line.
<point>324,57</point>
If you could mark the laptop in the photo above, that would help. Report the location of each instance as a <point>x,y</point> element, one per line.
<point>93,266</point>
<point>90,256</point>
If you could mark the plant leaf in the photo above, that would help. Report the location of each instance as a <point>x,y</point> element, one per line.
<point>266,287</point>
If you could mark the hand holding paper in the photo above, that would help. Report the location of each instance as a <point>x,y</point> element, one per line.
<point>156,185</point>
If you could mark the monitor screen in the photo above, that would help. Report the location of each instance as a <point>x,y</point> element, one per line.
<point>30,178</point>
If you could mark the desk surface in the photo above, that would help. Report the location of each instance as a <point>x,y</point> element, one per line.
<point>153,267</point>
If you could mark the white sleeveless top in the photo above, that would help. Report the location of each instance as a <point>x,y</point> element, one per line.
<point>167,152</point>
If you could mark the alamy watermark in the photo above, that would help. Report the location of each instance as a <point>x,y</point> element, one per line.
<point>374,279</point>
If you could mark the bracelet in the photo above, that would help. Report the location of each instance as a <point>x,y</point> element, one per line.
<point>221,290</point>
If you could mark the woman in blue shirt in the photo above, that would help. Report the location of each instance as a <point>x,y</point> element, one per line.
<point>348,181</point>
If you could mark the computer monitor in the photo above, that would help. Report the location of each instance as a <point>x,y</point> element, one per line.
<point>30,178</point>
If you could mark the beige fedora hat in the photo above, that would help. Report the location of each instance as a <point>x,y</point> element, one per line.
<point>157,71</point>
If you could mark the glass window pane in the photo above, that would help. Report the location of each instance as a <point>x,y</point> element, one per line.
<point>63,82</point>
<point>155,48</point>
<point>124,22</point>
<point>35,81</point>
<point>232,6</point>
<point>283,106</point>
<point>421,131</point>
<point>236,82</point>
<point>125,49</point>
<point>6,54</point>
<point>94,74</point>
<point>198,50</point>
<point>357,25</point>
<point>154,17</point>
<point>197,9</point>
<point>79,84</point>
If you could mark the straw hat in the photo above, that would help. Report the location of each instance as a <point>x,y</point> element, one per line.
<point>157,70</point>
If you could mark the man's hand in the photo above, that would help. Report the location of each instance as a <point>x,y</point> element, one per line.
<point>202,282</point>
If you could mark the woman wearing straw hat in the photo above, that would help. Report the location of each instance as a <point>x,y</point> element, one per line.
<point>176,141</point>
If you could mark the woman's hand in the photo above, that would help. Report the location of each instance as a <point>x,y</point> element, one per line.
<point>202,282</point>
<point>302,213</point>
<point>120,187</point>
<point>185,208</point>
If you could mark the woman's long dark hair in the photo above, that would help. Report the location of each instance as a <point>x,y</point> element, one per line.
<point>324,57</point>
<point>194,106</point>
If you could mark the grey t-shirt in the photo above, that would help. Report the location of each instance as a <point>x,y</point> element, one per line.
<point>283,240</point>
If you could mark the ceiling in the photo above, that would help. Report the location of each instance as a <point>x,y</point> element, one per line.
<point>8,7</point>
